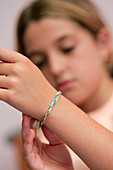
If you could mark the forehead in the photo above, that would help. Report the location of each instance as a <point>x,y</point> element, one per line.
<point>45,25</point>
<point>47,31</point>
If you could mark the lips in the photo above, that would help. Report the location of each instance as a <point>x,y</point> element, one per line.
<point>65,85</point>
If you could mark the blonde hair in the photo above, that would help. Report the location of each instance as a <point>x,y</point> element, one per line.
<point>82,12</point>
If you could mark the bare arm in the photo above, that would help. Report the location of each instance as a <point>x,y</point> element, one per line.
<point>88,139</point>
<point>25,88</point>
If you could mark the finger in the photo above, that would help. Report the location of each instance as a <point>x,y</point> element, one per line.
<point>28,143</point>
<point>9,55</point>
<point>32,123</point>
<point>3,94</point>
<point>28,135</point>
<point>31,155</point>
<point>25,126</point>
<point>51,137</point>
<point>5,68</point>
<point>4,82</point>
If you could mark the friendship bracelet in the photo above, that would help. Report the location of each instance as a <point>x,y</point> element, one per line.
<point>40,123</point>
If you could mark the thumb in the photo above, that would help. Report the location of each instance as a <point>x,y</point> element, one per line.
<point>51,137</point>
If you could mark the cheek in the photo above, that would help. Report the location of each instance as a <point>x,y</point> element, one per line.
<point>86,65</point>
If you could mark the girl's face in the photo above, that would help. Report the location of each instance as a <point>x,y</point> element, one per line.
<point>68,56</point>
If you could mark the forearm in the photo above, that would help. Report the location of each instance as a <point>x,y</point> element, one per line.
<point>88,139</point>
<point>25,88</point>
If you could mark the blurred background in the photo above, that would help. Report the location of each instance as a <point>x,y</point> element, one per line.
<point>10,118</point>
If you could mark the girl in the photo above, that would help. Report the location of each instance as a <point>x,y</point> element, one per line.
<point>72,47</point>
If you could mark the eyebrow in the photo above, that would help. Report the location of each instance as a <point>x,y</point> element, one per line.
<point>35,52</point>
<point>63,38</point>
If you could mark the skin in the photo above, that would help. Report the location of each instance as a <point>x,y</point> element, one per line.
<point>21,75</point>
<point>18,75</point>
<point>71,60</point>
<point>38,155</point>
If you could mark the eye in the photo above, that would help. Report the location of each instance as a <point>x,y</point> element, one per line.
<point>68,49</point>
<point>40,63</point>
<point>37,59</point>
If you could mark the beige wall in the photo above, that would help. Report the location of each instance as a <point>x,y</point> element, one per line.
<point>10,119</point>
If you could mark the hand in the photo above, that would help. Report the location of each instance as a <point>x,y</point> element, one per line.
<point>40,156</point>
<point>23,86</point>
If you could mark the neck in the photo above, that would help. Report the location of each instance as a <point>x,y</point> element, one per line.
<point>100,97</point>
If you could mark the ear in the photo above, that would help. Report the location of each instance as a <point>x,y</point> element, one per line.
<point>104,43</point>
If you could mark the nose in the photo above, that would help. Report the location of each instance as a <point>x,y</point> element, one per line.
<point>57,64</point>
